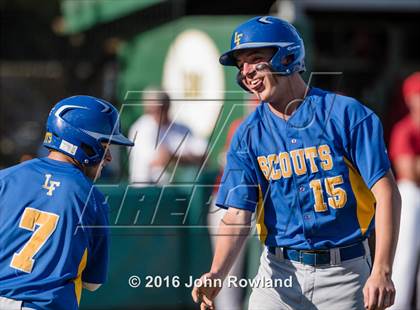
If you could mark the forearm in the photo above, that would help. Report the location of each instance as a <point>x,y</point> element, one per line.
<point>386,239</point>
<point>232,234</point>
<point>387,219</point>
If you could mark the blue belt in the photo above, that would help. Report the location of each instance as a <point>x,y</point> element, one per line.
<point>320,257</point>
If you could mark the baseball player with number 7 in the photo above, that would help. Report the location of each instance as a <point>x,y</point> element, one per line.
<point>53,221</point>
<point>313,168</point>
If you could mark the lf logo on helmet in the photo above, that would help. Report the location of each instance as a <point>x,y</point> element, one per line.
<point>48,137</point>
<point>238,37</point>
<point>50,185</point>
<point>265,20</point>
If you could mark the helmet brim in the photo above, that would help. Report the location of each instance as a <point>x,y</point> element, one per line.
<point>121,140</point>
<point>118,138</point>
<point>227,59</point>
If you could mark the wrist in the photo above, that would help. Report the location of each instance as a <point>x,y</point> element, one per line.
<point>384,270</point>
<point>218,273</point>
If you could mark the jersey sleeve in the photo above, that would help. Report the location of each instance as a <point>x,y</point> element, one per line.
<point>238,187</point>
<point>96,270</point>
<point>367,149</point>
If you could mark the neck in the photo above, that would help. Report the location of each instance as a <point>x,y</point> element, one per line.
<point>289,95</point>
<point>62,157</point>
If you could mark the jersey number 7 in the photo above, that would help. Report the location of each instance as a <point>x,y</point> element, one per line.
<point>31,219</point>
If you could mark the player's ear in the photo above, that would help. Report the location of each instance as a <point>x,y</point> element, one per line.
<point>287,60</point>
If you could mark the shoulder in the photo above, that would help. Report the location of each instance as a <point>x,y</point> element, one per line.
<point>99,199</point>
<point>232,129</point>
<point>73,181</point>
<point>247,129</point>
<point>144,121</point>
<point>85,190</point>
<point>79,183</point>
<point>144,129</point>
<point>248,132</point>
<point>251,122</point>
<point>347,111</point>
<point>20,169</point>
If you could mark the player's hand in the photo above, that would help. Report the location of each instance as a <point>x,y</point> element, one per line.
<point>379,291</point>
<point>207,290</point>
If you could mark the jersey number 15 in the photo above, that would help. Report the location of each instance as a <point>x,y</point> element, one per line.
<point>337,197</point>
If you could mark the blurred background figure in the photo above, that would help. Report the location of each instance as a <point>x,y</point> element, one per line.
<point>165,143</point>
<point>405,155</point>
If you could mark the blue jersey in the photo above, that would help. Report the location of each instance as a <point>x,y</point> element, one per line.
<point>309,177</point>
<point>45,252</point>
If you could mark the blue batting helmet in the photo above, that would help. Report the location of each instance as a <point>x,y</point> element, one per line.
<point>77,125</point>
<point>269,31</point>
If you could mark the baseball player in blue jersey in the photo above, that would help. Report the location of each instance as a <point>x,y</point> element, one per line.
<point>53,221</point>
<point>313,168</point>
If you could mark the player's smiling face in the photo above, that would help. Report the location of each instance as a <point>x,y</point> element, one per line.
<point>255,71</point>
